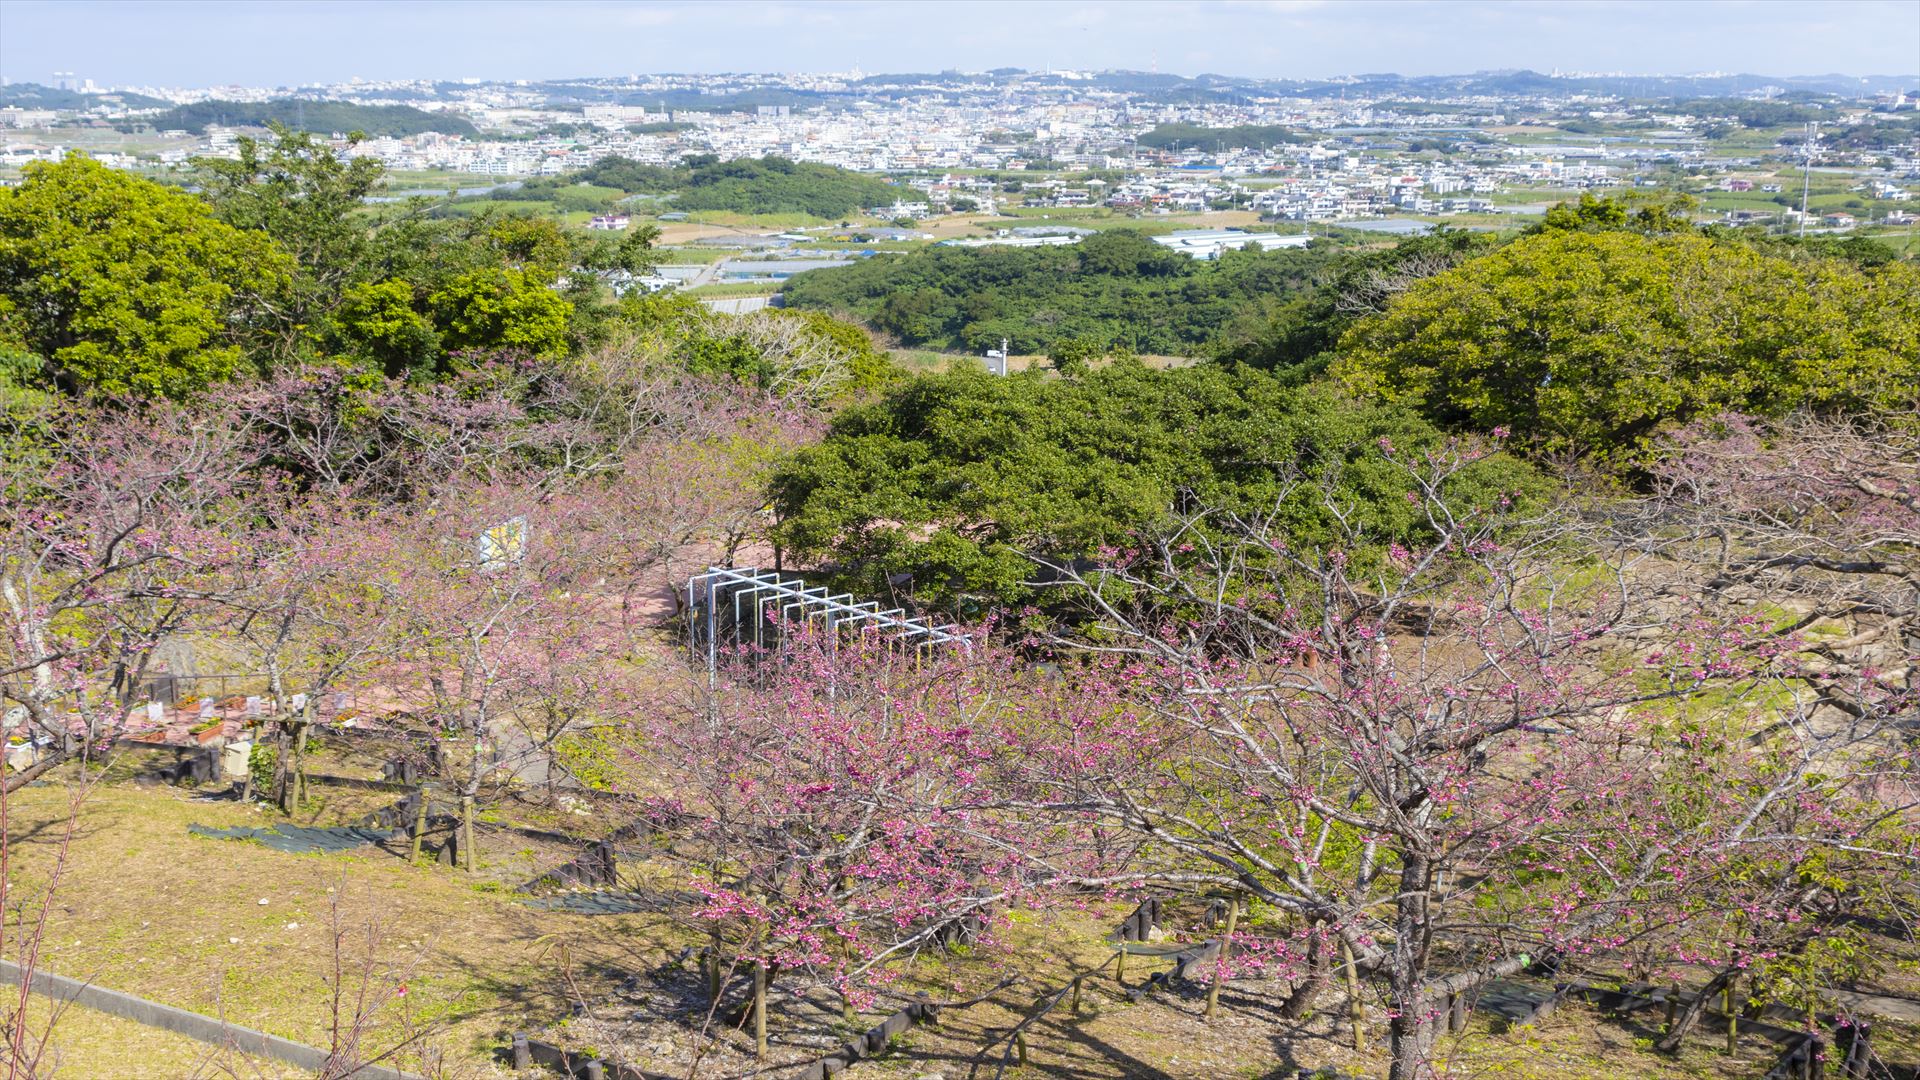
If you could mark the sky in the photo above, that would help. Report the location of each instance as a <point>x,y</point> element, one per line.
<point>291,42</point>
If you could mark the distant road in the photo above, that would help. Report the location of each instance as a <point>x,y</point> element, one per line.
<point>709,274</point>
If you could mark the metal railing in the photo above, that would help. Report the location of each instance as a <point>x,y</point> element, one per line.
<point>739,604</point>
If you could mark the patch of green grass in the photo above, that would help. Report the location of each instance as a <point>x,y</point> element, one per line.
<point>770,221</point>
<point>686,256</point>
<point>473,207</point>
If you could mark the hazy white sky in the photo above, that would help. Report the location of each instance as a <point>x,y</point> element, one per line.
<point>177,43</point>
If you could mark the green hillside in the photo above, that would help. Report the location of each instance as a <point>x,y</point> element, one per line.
<point>316,116</point>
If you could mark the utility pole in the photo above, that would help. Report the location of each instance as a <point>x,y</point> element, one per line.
<point>1806,178</point>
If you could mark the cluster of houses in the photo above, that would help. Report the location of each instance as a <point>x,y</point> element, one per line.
<point>1337,160</point>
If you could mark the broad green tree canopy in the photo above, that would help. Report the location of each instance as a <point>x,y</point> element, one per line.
<point>1590,342</point>
<point>123,286</point>
<point>944,486</point>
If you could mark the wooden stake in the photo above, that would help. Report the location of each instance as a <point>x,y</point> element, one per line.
<point>1220,960</point>
<point>1076,997</point>
<point>1020,1046</point>
<point>1120,966</point>
<point>522,1053</point>
<point>419,829</point>
<point>1673,1007</point>
<point>1356,1011</point>
<point>1733,1018</point>
<point>300,766</point>
<point>466,832</point>
<point>759,1010</point>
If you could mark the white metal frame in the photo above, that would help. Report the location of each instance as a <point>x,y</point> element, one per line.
<point>798,603</point>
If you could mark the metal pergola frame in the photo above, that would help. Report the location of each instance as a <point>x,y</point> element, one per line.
<point>797,602</point>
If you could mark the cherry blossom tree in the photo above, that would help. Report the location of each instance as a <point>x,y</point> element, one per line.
<point>306,619</point>
<point>838,809</point>
<point>682,500</point>
<point>503,611</point>
<point>1817,519</point>
<point>1814,523</point>
<point>1461,746</point>
<point>117,534</point>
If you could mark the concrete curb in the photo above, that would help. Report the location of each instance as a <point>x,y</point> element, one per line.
<point>190,1024</point>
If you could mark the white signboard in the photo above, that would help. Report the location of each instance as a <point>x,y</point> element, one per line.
<point>504,543</point>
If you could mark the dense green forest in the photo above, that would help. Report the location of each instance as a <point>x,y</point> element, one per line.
<point>323,117</point>
<point>948,488</point>
<point>1589,338</point>
<point>1594,340</point>
<point>1882,133</point>
<point>771,185</point>
<point>1116,288</point>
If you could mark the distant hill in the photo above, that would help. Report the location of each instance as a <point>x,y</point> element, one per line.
<point>317,116</point>
<point>778,186</point>
<point>35,96</point>
<point>770,185</point>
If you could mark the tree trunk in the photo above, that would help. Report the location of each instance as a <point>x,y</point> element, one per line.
<point>1690,1015</point>
<point>297,782</point>
<point>1412,1036</point>
<point>1410,1029</point>
<point>1733,1017</point>
<point>713,968</point>
<point>476,770</point>
<point>1319,974</point>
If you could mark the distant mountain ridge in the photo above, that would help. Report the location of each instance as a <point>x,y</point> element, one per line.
<point>35,96</point>
<point>1214,88</point>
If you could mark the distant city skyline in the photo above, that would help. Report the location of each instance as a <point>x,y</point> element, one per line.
<point>183,44</point>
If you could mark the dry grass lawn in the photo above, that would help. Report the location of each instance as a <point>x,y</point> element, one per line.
<point>88,1044</point>
<point>150,910</point>
<point>145,908</point>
